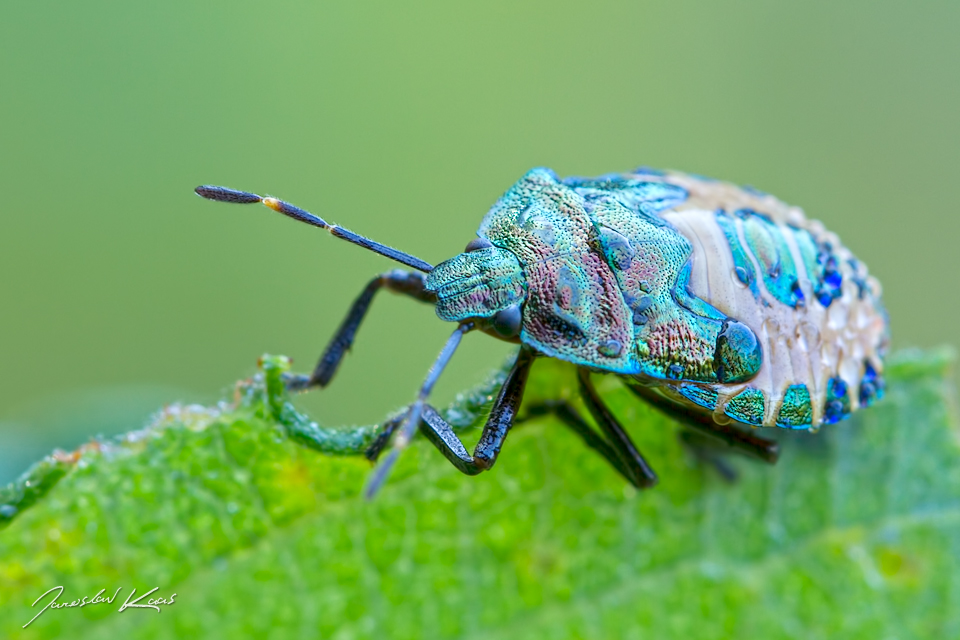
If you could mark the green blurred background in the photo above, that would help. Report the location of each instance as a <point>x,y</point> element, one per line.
<point>121,290</point>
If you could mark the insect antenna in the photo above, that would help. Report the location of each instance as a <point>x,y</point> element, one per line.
<point>225,194</point>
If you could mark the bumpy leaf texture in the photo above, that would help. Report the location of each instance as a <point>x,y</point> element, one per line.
<point>854,534</point>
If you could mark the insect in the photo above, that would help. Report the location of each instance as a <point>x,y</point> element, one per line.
<point>724,307</point>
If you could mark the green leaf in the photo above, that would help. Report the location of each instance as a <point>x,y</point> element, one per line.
<point>854,534</point>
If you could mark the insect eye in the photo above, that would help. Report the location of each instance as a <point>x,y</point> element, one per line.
<point>508,321</point>
<point>476,244</point>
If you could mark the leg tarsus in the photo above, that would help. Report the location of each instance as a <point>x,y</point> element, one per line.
<point>380,442</point>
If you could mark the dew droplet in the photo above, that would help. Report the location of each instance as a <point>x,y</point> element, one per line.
<point>610,348</point>
<point>740,276</point>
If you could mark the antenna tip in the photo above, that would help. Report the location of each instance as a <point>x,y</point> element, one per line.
<point>225,194</point>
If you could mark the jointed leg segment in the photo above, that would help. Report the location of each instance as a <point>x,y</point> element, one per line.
<point>616,447</point>
<point>639,473</point>
<point>399,281</point>
<point>495,431</point>
<point>569,416</point>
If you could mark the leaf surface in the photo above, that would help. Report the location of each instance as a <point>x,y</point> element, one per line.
<point>855,533</point>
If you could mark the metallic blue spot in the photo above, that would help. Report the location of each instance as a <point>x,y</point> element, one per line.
<point>839,387</point>
<point>872,386</point>
<point>821,266</point>
<point>797,293</point>
<point>838,401</point>
<point>703,396</point>
<point>858,280</point>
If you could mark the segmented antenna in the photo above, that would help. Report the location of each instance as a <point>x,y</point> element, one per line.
<point>225,194</point>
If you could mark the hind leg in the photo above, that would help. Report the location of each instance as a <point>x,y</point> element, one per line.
<point>569,417</point>
<point>727,434</point>
<point>709,452</point>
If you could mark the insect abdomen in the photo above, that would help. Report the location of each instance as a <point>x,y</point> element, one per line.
<point>812,305</point>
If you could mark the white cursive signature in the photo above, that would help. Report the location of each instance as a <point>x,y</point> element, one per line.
<point>152,603</point>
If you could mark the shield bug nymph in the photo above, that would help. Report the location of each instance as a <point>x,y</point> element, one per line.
<point>723,306</point>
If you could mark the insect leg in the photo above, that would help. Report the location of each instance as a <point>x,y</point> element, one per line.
<point>501,419</point>
<point>379,443</point>
<point>569,416</point>
<point>640,473</point>
<point>409,423</point>
<point>399,281</point>
<point>707,450</point>
<point>745,442</point>
<point>438,432</point>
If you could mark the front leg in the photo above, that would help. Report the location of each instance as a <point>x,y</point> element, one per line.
<point>399,281</point>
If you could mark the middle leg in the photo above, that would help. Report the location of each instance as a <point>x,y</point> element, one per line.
<point>501,419</point>
<point>570,417</point>
<point>641,475</point>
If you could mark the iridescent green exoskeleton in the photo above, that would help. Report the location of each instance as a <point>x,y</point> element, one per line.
<point>722,306</point>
